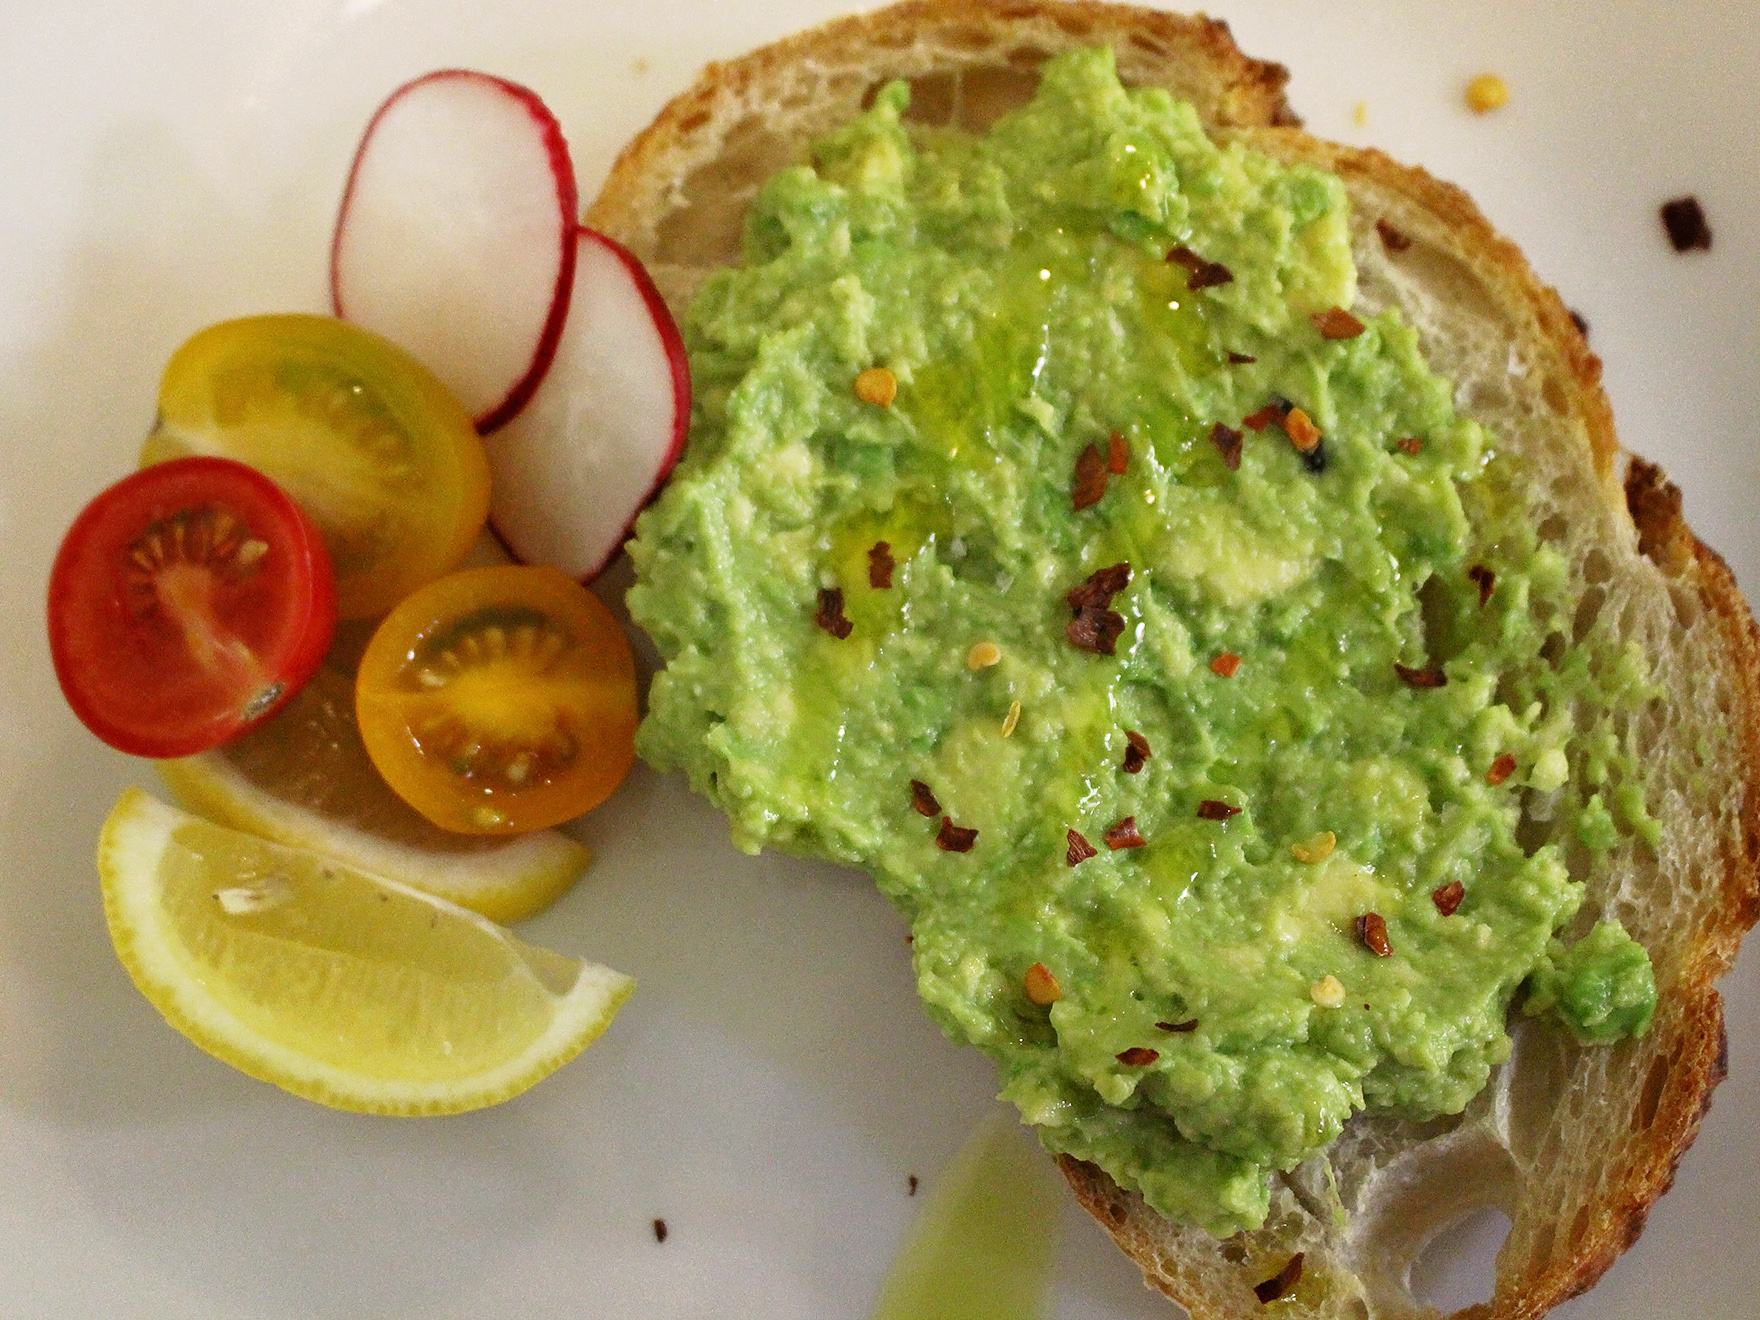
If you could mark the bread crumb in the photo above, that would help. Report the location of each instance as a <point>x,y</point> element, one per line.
<point>1316,849</point>
<point>1328,991</point>
<point>1486,93</point>
<point>1360,114</point>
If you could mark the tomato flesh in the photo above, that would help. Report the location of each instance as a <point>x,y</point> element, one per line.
<point>499,700</point>
<point>370,444</point>
<point>188,602</point>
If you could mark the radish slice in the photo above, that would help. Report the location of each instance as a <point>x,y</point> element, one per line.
<point>456,236</point>
<point>571,472</point>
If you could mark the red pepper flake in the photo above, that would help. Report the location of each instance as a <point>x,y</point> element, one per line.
<point>1192,1025</point>
<point>923,799</point>
<point>1392,239</point>
<point>1486,580</point>
<point>1283,1282</point>
<point>1099,587</point>
<point>1448,898</point>
<point>1136,751</point>
<point>1501,769</point>
<point>953,838</point>
<point>1096,626</point>
<point>1240,359</point>
<point>880,566</point>
<point>1118,454</point>
<point>1302,432</point>
<point>1095,630</point>
<point>1228,442</point>
<point>1226,665</point>
<point>1209,809</point>
<point>1125,835</point>
<point>660,1230</point>
<point>1138,1056</point>
<point>1200,274</point>
<point>1079,849</point>
<point>1372,931</point>
<point>1090,483</point>
<point>1580,321</point>
<point>830,615</point>
<point>1684,219</point>
<point>1336,323</point>
<point>1270,413</point>
<point>1421,678</point>
<point>1411,445</point>
<point>911,1185</point>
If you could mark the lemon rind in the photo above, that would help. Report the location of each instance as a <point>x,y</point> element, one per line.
<point>509,883</point>
<point>135,837</point>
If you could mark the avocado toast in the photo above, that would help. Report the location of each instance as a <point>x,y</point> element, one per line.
<point>1649,618</point>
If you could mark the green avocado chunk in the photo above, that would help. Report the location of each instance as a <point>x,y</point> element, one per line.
<point>1138,701</point>
<point>1602,987</point>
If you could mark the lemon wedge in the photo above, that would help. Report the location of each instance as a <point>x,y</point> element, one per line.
<point>984,1245</point>
<point>304,780</point>
<point>354,991</point>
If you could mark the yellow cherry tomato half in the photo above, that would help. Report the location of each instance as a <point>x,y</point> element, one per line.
<point>370,445</point>
<point>499,700</point>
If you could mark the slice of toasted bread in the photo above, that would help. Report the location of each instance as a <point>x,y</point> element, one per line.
<point>1573,1143</point>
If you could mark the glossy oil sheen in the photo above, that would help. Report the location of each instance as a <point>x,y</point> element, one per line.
<point>1019,289</point>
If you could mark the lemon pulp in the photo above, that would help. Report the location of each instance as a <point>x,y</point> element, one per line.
<point>337,985</point>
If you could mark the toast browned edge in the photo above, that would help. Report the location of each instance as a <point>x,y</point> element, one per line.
<point>1227,87</point>
<point>1246,96</point>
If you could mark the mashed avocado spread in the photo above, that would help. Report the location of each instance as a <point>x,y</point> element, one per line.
<point>1245,740</point>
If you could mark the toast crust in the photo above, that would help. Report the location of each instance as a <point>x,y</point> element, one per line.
<point>1574,1144</point>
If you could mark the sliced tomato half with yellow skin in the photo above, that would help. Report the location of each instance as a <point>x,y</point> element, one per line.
<point>499,700</point>
<point>365,438</point>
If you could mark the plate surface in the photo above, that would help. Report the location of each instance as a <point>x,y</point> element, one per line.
<point>772,1085</point>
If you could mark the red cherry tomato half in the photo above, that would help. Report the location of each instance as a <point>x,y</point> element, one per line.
<point>187,603</point>
<point>499,700</point>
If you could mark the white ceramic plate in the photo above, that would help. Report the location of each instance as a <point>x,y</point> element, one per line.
<point>772,1085</point>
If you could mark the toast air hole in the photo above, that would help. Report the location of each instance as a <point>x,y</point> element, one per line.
<point>705,230</point>
<point>1650,1098</point>
<point>1458,1267</point>
<point>972,99</point>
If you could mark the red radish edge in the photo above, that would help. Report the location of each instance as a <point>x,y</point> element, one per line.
<point>673,344</point>
<point>561,166</point>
